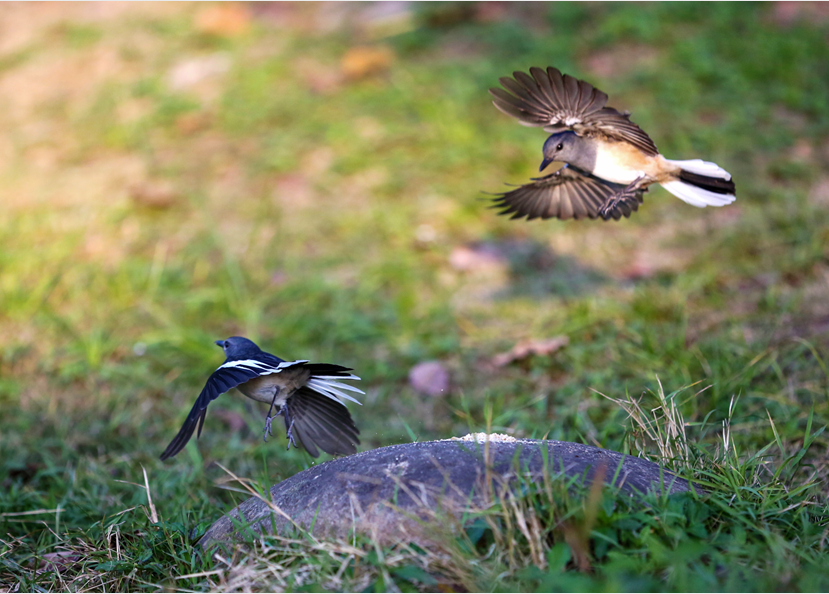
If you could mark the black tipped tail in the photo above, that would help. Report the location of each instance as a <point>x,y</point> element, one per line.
<point>717,185</point>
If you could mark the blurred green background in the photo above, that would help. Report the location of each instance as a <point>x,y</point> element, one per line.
<point>311,176</point>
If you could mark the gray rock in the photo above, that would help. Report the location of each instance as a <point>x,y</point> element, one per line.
<point>394,492</point>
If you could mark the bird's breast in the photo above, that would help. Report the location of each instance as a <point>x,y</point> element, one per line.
<point>621,163</point>
<point>264,387</point>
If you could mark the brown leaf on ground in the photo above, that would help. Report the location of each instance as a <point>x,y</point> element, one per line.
<point>157,195</point>
<point>192,122</point>
<point>364,61</point>
<point>529,347</point>
<point>57,561</point>
<point>430,378</point>
<point>225,19</point>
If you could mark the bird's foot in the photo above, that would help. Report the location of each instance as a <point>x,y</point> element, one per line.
<point>623,202</point>
<point>610,209</point>
<point>269,419</point>
<point>290,436</point>
<point>268,430</point>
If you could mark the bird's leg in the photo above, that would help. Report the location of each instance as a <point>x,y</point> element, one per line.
<point>290,436</point>
<point>627,194</point>
<point>270,417</point>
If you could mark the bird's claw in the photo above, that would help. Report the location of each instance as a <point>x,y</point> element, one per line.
<point>268,430</point>
<point>290,436</point>
<point>622,203</point>
<point>609,208</point>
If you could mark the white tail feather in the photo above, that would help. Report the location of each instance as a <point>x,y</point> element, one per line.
<point>337,378</point>
<point>332,389</point>
<point>701,167</point>
<point>697,196</point>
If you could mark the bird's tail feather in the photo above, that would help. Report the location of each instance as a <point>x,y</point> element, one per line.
<point>326,386</point>
<point>702,184</point>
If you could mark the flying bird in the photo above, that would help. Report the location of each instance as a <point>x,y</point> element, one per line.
<point>307,395</point>
<point>609,161</point>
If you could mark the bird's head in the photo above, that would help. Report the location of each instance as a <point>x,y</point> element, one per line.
<point>237,346</point>
<point>563,147</point>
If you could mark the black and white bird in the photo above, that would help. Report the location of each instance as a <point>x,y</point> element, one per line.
<point>307,395</point>
<point>609,160</point>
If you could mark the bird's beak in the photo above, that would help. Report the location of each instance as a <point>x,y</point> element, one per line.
<point>220,343</point>
<point>544,164</point>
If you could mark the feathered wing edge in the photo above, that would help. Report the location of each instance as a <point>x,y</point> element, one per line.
<point>220,381</point>
<point>547,98</point>
<point>556,102</point>
<point>565,194</point>
<point>316,416</point>
<point>229,375</point>
<point>318,420</point>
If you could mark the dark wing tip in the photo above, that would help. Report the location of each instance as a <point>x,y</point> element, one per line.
<point>196,417</point>
<point>564,194</point>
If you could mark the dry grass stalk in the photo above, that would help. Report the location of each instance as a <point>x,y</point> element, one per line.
<point>664,425</point>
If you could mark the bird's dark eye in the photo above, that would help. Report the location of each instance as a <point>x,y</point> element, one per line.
<point>560,146</point>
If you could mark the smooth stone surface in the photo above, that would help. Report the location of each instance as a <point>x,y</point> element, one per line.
<point>354,492</point>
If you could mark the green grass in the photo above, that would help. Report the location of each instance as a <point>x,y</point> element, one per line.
<point>298,203</point>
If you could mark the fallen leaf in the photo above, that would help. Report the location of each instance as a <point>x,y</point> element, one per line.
<point>158,195</point>
<point>430,378</point>
<point>191,122</point>
<point>363,61</point>
<point>225,19</point>
<point>57,561</point>
<point>529,347</point>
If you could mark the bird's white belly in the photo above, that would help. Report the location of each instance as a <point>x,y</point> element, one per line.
<point>262,388</point>
<point>610,166</point>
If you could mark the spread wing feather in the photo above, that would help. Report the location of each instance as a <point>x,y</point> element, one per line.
<point>229,375</point>
<point>316,420</point>
<point>565,194</point>
<point>222,380</point>
<point>558,102</point>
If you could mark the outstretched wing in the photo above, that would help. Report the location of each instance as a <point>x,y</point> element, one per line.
<point>569,193</point>
<point>556,102</point>
<point>318,420</point>
<point>226,377</point>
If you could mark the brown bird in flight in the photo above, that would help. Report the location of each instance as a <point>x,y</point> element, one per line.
<point>609,161</point>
